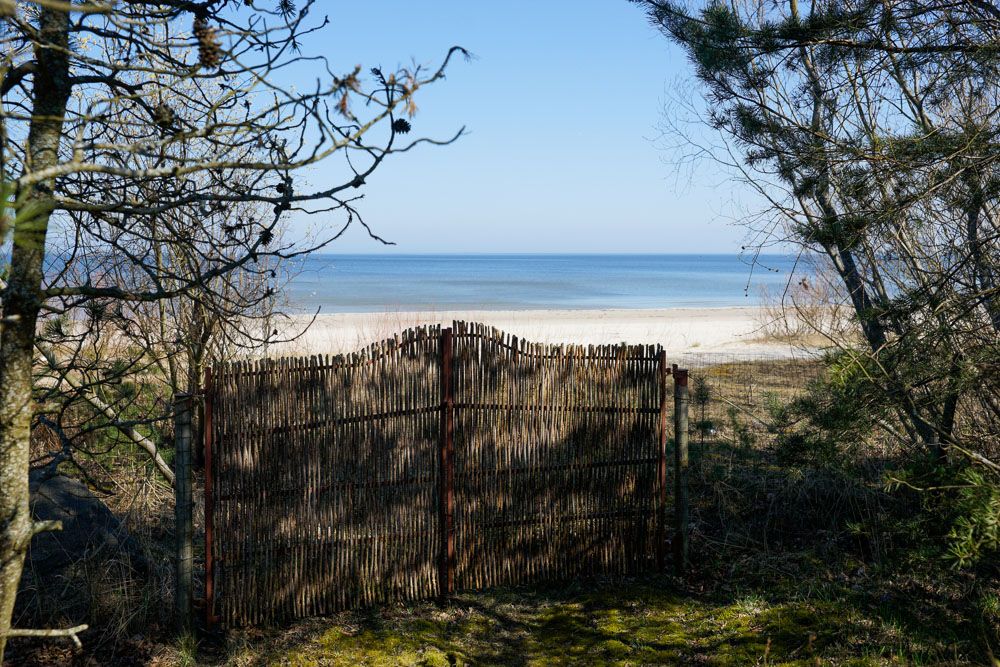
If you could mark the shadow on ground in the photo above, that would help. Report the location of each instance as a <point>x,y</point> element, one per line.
<point>648,620</point>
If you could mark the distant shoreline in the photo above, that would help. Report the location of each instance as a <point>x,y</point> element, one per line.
<point>688,330</point>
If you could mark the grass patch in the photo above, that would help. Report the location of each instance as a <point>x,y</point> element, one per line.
<point>802,556</point>
<point>645,620</point>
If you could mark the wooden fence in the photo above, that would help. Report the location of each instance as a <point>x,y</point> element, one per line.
<point>439,459</point>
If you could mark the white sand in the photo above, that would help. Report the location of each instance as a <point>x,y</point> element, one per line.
<point>679,330</point>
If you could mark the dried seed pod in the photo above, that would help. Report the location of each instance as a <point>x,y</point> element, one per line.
<point>163,115</point>
<point>209,51</point>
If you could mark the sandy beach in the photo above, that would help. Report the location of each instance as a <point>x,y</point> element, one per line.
<point>680,330</point>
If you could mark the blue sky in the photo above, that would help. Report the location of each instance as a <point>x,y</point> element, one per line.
<point>561,105</point>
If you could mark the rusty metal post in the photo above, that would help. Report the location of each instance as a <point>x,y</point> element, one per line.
<point>446,571</point>
<point>681,536</point>
<point>208,393</point>
<point>661,470</point>
<point>183,502</point>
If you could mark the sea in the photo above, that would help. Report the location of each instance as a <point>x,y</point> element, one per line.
<point>401,283</point>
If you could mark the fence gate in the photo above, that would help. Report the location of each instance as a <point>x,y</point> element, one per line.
<point>439,459</point>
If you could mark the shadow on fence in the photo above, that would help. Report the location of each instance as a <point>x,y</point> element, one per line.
<point>338,483</point>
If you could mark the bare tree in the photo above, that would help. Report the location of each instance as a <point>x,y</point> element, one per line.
<point>116,114</point>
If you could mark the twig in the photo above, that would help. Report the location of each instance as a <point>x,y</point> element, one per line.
<point>744,411</point>
<point>91,397</point>
<point>67,632</point>
<point>903,482</point>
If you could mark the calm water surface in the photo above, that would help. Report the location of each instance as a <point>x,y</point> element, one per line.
<point>376,283</point>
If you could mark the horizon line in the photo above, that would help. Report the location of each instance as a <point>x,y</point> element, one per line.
<point>539,253</point>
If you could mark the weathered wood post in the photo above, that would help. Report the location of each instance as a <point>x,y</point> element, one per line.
<point>184,595</point>
<point>208,394</point>
<point>681,537</point>
<point>661,469</point>
<point>446,571</point>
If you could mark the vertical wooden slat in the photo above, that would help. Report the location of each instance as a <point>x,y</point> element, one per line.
<point>525,485</point>
<point>208,392</point>
<point>680,470</point>
<point>447,572</point>
<point>661,467</point>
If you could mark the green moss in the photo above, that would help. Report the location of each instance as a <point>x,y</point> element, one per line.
<point>368,647</point>
<point>611,622</point>
<point>613,648</point>
<point>640,623</point>
<point>434,657</point>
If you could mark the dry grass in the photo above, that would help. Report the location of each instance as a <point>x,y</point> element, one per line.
<point>810,313</point>
<point>125,593</point>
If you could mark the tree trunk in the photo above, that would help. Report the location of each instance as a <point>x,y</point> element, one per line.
<point>981,271</point>
<point>182,511</point>
<point>21,302</point>
<point>197,374</point>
